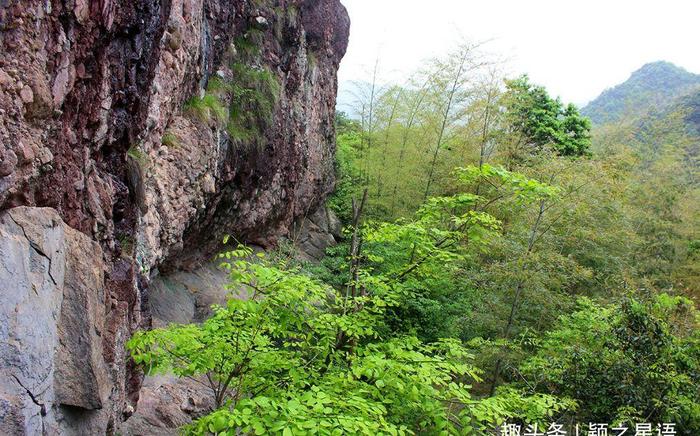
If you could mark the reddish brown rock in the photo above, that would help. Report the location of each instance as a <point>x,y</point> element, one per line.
<point>27,95</point>
<point>88,90</point>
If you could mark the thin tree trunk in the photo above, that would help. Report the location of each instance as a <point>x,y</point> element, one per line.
<point>370,121</point>
<point>484,138</point>
<point>386,141</point>
<point>443,127</point>
<point>361,151</point>
<point>518,291</point>
<point>485,130</point>
<point>356,244</point>
<point>355,252</point>
<point>404,143</point>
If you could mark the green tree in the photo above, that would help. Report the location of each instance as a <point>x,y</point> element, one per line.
<point>300,356</point>
<point>624,363</point>
<point>538,121</point>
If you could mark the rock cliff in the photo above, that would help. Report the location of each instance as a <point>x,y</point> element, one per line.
<point>134,135</point>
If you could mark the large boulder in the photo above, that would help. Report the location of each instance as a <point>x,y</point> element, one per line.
<point>53,377</point>
<point>316,232</point>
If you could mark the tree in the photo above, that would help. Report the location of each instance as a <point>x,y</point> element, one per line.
<point>301,356</point>
<point>448,83</point>
<point>624,363</point>
<point>539,121</point>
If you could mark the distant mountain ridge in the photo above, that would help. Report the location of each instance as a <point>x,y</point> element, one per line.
<point>653,86</point>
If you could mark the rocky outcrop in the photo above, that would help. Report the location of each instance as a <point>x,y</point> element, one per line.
<point>315,233</point>
<point>152,128</point>
<point>166,404</point>
<point>199,180</point>
<point>187,296</point>
<point>92,103</point>
<point>54,378</point>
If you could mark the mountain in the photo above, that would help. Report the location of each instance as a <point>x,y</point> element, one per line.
<point>655,85</point>
<point>691,103</point>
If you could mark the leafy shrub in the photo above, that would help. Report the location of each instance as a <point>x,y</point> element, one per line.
<point>622,363</point>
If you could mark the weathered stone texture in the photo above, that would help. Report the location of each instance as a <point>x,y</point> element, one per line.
<point>52,312</point>
<point>88,90</point>
<point>315,233</point>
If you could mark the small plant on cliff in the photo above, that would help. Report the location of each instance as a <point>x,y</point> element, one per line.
<point>253,94</point>
<point>170,140</point>
<point>242,104</point>
<point>248,45</point>
<point>137,155</point>
<point>126,246</point>
<point>208,109</point>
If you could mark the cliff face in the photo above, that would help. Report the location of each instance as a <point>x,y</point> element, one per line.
<point>146,130</point>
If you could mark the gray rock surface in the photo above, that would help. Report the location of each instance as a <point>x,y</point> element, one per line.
<point>89,92</point>
<point>52,314</point>
<point>187,296</point>
<point>316,232</point>
<point>167,403</point>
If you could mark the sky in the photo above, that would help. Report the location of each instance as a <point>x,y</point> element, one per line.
<point>576,49</point>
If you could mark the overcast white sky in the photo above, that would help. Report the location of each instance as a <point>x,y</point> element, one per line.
<point>575,48</point>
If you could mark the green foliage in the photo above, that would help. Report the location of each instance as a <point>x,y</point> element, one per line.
<point>653,86</point>
<point>497,278</point>
<point>691,103</point>
<point>444,235</point>
<point>320,359</point>
<point>170,140</point>
<point>625,363</point>
<point>456,111</point>
<point>248,45</point>
<point>344,124</point>
<point>208,109</point>
<point>348,175</point>
<point>126,246</point>
<point>254,95</point>
<point>243,105</point>
<point>542,121</point>
<point>663,196</point>
<point>519,186</point>
<point>135,153</point>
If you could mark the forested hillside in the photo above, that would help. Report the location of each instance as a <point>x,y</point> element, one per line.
<point>503,265</point>
<point>652,87</point>
<point>691,104</point>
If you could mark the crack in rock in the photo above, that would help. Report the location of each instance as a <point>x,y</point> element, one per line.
<point>35,247</point>
<point>42,408</point>
<point>31,395</point>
